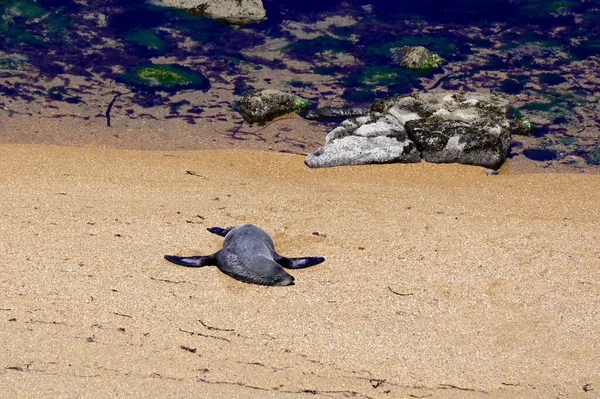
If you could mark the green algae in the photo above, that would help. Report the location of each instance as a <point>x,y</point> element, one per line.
<point>15,19</point>
<point>384,80</point>
<point>23,9</point>
<point>300,104</point>
<point>165,77</point>
<point>432,62</point>
<point>377,75</point>
<point>147,38</point>
<point>522,126</point>
<point>23,21</point>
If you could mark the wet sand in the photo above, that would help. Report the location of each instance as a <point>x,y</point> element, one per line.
<point>439,281</point>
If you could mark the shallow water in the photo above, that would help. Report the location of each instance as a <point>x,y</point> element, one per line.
<point>542,55</point>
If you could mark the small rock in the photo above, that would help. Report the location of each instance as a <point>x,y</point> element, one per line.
<point>419,58</point>
<point>522,126</point>
<point>265,105</point>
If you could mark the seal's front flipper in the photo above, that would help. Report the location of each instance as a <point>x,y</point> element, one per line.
<point>193,261</point>
<point>220,231</point>
<point>298,263</point>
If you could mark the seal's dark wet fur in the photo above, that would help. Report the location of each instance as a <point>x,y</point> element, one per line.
<point>248,255</point>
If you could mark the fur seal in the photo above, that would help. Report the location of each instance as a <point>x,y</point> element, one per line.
<point>248,255</point>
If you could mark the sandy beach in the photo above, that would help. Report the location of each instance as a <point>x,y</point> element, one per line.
<point>439,281</point>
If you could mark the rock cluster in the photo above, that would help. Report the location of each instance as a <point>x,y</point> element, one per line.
<point>459,127</point>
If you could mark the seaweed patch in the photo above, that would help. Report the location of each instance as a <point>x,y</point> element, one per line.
<point>164,77</point>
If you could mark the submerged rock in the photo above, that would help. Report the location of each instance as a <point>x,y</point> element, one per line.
<point>419,58</point>
<point>466,128</point>
<point>265,105</point>
<point>234,12</point>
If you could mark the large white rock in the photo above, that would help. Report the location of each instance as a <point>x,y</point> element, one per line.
<point>374,138</point>
<point>235,12</point>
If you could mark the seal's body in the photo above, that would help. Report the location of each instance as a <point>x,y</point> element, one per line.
<point>248,255</point>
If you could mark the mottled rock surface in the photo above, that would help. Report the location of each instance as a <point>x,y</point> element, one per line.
<point>375,138</point>
<point>234,12</point>
<point>466,128</point>
<point>335,113</point>
<point>265,105</point>
<point>419,58</point>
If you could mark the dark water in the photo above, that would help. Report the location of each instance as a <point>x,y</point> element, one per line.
<point>543,55</point>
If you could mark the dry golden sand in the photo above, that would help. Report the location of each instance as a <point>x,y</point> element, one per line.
<point>439,281</point>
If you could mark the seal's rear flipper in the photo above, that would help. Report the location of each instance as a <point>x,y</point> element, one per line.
<point>298,263</point>
<point>219,230</point>
<point>193,261</point>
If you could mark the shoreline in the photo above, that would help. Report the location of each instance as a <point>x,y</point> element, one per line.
<point>289,134</point>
